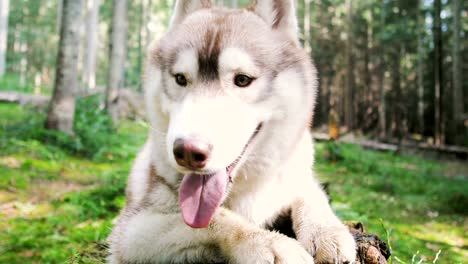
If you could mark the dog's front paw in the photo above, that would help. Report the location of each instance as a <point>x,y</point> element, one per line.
<point>330,244</point>
<point>269,247</point>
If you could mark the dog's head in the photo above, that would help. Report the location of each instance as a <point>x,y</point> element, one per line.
<point>217,85</point>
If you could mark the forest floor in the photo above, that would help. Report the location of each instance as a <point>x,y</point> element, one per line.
<point>56,207</point>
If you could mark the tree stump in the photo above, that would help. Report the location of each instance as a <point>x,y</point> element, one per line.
<point>370,248</point>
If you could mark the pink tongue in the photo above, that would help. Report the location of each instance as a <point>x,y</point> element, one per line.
<point>200,196</point>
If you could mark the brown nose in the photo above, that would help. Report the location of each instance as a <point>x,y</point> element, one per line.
<point>191,153</point>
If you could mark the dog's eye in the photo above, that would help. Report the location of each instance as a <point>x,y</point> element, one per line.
<point>242,80</point>
<point>180,79</point>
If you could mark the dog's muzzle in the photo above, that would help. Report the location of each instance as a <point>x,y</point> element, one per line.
<point>201,194</point>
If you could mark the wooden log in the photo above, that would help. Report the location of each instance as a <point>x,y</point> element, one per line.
<point>402,147</point>
<point>370,248</point>
<point>130,103</point>
<point>24,99</point>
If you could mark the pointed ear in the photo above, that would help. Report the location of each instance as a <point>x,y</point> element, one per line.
<point>280,14</point>
<point>183,8</point>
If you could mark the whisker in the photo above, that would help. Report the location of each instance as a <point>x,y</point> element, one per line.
<point>147,124</point>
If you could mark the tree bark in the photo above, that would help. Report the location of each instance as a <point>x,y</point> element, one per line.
<point>457,89</point>
<point>420,72</point>
<point>438,88</point>
<point>4,10</point>
<point>62,106</point>
<point>147,32</point>
<point>349,98</point>
<point>396,97</point>
<point>92,42</point>
<point>58,23</point>
<point>381,82</point>
<point>117,56</point>
<point>366,110</point>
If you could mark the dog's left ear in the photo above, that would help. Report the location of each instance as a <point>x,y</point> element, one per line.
<point>280,14</point>
<point>183,8</point>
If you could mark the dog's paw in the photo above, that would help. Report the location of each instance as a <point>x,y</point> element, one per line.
<point>331,244</point>
<point>269,247</point>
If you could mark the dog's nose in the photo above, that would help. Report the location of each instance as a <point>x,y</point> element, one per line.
<point>191,153</point>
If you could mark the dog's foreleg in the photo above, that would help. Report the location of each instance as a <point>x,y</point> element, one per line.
<point>148,236</point>
<point>319,229</point>
<point>164,238</point>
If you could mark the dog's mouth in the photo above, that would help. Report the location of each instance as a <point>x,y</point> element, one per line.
<point>201,194</point>
<point>233,165</point>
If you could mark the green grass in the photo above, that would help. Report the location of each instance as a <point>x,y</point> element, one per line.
<point>419,205</point>
<point>57,205</point>
<point>11,82</point>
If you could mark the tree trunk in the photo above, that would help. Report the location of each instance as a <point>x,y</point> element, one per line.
<point>92,42</point>
<point>457,89</point>
<point>148,14</point>
<point>24,56</point>
<point>62,106</point>
<point>324,98</point>
<point>396,100</point>
<point>58,23</point>
<point>117,56</point>
<point>420,72</point>
<point>234,3</point>
<point>4,10</point>
<point>349,98</point>
<point>381,82</point>
<point>365,118</point>
<point>438,88</point>
<point>141,36</point>
<point>307,46</point>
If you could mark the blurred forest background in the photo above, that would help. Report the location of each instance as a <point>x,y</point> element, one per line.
<point>391,70</point>
<point>392,75</point>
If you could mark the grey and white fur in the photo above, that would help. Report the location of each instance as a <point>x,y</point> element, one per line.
<point>272,168</point>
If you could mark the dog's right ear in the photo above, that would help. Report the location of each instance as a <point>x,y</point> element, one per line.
<point>182,8</point>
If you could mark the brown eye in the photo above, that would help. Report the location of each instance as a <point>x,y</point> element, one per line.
<point>242,80</point>
<point>180,79</point>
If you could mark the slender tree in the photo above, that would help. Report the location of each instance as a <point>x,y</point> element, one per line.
<point>148,36</point>
<point>438,88</point>
<point>59,15</point>
<point>4,10</point>
<point>62,106</point>
<point>457,89</point>
<point>92,42</point>
<point>420,22</point>
<point>234,3</point>
<point>396,95</point>
<point>349,95</point>
<point>381,79</point>
<point>117,55</point>
<point>142,27</point>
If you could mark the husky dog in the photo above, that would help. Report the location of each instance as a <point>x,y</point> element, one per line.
<point>229,96</point>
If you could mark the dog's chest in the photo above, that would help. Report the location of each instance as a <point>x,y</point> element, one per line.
<point>258,205</point>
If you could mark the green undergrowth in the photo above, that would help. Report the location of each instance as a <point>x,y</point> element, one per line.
<point>58,199</point>
<point>58,202</point>
<point>13,82</point>
<point>417,205</point>
<point>94,134</point>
